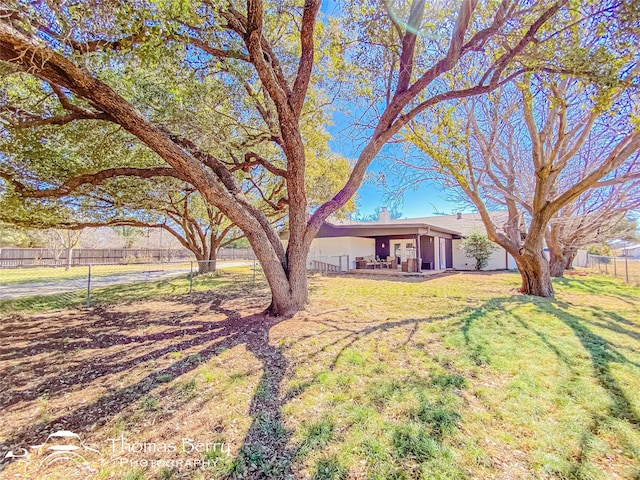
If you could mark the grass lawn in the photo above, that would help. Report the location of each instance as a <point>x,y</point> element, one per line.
<point>621,268</point>
<point>15,276</point>
<point>454,377</point>
<point>128,292</point>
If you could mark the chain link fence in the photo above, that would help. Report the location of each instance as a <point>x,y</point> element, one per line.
<point>626,268</point>
<point>51,288</point>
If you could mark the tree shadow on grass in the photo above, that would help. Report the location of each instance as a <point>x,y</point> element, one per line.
<point>616,323</point>
<point>602,355</point>
<point>98,336</point>
<point>267,451</point>
<point>264,453</point>
<point>596,286</point>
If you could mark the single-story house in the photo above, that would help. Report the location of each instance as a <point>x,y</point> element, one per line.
<point>346,244</point>
<point>631,251</point>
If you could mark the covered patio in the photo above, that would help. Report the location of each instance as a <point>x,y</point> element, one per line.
<point>390,248</point>
<point>393,273</point>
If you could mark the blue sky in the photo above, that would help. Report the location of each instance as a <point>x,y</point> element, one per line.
<point>429,199</point>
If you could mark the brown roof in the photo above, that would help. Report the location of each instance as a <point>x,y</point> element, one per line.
<point>466,224</point>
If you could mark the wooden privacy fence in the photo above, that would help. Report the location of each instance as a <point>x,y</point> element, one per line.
<point>49,257</point>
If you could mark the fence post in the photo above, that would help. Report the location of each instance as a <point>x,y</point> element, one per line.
<point>254,272</point>
<point>615,270</point>
<point>191,278</point>
<point>89,287</point>
<point>626,269</point>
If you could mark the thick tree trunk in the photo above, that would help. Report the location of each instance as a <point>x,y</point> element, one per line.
<point>289,292</point>
<point>534,270</point>
<point>209,261</point>
<point>557,264</point>
<point>69,257</point>
<point>207,266</point>
<point>286,274</point>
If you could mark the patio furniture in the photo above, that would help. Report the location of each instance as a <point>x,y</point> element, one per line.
<point>411,265</point>
<point>373,262</point>
<point>368,262</point>
<point>360,263</point>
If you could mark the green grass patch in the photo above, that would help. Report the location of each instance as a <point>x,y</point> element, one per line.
<point>452,378</point>
<point>232,279</point>
<point>17,276</point>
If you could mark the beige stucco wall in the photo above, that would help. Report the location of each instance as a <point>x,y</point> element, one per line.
<point>497,261</point>
<point>328,249</point>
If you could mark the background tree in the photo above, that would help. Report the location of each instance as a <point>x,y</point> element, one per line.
<point>478,246</point>
<point>627,232</point>
<point>254,69</point>
<point>533,149</point>
<point>175,208</point>
<point>597,216</point>
<point>101,237</point>
<point>617,239</point>
<point>62,242</point>
<point>394,214</point>
<point>129,234</point>
<point>131,204</point>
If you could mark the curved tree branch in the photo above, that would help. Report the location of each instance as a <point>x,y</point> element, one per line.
<point>89,179</point>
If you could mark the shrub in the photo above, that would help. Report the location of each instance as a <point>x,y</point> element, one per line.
<point>479,247</point>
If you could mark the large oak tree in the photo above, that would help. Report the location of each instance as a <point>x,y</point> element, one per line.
<point>541,150</point>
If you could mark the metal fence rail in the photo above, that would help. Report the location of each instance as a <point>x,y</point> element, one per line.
<point>85,285</point>
<point>328,263</point>
<point>626,268</point>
